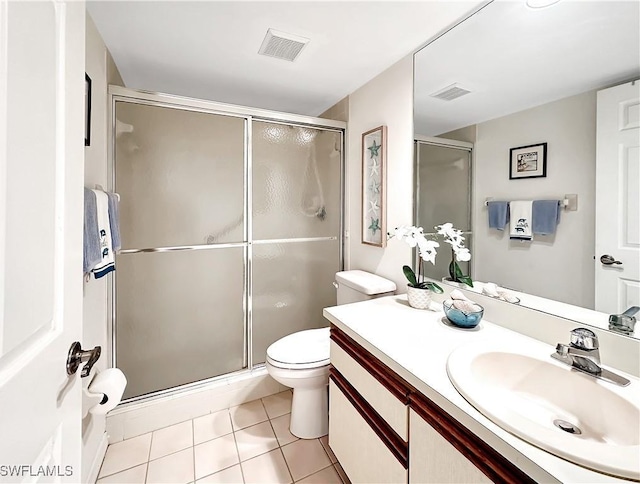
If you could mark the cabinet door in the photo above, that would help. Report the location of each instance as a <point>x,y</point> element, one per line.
<point>361,453</point>
<point>434,460</point>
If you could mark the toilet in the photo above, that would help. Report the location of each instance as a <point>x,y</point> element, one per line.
<point>301,360</point>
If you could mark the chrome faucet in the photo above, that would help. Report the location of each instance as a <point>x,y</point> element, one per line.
<point>583,354</point>
<point>624,323</point>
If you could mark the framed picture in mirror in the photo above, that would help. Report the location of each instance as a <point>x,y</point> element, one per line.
<point>528,161</point>
<point>374,147</point>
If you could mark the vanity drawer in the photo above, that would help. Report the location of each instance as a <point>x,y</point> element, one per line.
<point>389,406</point>
<point>363,455</point>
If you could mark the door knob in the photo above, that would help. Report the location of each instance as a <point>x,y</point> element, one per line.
<point>609,260</point>
<point>77,356</point>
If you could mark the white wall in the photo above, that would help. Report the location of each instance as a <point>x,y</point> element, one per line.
<point>560,266</point>
<point>385,100</point>
<point>102,71</point>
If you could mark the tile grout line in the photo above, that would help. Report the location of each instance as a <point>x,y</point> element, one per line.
<point>193,447</point>
<point>236,444</point>
<point>278,442</point>
<point>146,474</point>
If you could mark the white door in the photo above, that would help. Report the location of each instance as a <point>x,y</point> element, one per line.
<point>618,198</point>
<point>41,200</point>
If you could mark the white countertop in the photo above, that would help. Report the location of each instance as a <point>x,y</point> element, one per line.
<point>416,344</point>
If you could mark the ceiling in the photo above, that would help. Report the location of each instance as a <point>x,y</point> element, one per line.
<point>208,49</point>
<point>512,57</point>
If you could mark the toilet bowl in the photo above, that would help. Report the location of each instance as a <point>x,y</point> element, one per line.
<point>301,360</point>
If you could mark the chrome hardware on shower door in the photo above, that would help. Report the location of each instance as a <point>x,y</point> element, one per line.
<point>609,260</point>
<point>77,356</point>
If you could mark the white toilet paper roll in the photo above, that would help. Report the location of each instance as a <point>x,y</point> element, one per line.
<point>111,383</point>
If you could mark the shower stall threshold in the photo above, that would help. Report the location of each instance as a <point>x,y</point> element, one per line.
<point>147,413</point>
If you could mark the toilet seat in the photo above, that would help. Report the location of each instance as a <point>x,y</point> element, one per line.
<point>302,350</point>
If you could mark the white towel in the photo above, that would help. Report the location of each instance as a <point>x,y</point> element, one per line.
<point>520,223</point>
<point>107,264</point>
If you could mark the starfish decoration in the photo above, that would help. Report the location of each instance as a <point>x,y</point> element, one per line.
<point>375,225</point>
<point>374,167</point>
<point>374,187</point>
<point>374,206</point>
<point>374,149</point>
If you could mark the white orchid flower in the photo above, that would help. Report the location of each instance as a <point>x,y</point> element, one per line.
<point>427,249</point>
<point>463,254</point>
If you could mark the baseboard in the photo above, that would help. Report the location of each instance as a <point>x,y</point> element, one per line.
<point>99,457</point>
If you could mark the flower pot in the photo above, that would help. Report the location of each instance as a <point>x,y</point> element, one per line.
<point>419,298</point>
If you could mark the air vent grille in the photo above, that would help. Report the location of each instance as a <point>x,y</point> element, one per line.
<point>450,93</point>
<point>282,45</point>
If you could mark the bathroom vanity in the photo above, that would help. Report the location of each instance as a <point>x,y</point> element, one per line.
<point>395,416</point>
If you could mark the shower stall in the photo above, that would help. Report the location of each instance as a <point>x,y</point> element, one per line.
<point>443,185</point>
<point>231,222</point>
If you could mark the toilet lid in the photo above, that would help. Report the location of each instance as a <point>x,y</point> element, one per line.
<point>309,348</point>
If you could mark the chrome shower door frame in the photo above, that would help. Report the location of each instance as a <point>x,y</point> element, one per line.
<point>122,94</point>
<point>443,143</point>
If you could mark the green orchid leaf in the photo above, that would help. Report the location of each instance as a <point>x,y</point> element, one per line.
<point>466,280</point>
<point>455,272</point>
<point>435,288</point>
<point>410,275</point>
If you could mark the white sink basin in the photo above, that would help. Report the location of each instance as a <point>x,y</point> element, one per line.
<point>525,393</point>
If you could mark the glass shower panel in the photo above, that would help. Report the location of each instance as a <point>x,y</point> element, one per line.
<point>296,181</point>
<point>292,283</point>
<point>444,187</point>
<point>180,317</point>
<point>180,175</point>
<point>441,268</point>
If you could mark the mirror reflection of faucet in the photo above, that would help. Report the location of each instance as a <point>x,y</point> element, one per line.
<point>624,323</point>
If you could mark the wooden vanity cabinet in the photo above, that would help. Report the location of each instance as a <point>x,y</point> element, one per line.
<point>383,430</point>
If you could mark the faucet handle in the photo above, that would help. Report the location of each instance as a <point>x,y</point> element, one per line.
<point>584,338</point>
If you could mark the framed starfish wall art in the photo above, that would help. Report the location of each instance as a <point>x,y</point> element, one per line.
<point>374,166</point>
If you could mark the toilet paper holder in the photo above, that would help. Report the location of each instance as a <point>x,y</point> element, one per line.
<point>77,356</point>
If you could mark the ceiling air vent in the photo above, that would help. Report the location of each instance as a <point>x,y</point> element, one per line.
<point>282,45</point>
<point>450,93</point>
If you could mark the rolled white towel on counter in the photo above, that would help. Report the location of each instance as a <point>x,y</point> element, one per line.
<point>490,289</point>
<point>464,305</point>
<point>457,294</point>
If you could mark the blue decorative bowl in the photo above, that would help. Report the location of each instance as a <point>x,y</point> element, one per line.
<point>460,318</point>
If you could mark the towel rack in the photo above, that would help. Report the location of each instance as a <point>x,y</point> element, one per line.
<point>569,202</point>
<point>99,187</point>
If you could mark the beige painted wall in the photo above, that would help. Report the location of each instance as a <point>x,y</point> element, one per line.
<point>560,266</point>
<point>101,69</point>
<point>385,100</point>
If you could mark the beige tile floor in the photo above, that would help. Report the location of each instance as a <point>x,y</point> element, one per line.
<point>250,443</point>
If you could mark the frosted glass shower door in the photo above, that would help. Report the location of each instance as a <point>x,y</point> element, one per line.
<point>180,280</point>
<point>443,194</point>
<point>296,225</point>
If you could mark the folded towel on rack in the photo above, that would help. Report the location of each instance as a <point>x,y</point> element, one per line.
<point>520,225</point>
<point>107,261</point>
<point>545,216</point>
<point>91,239</point>
<point>114,221</point>
<point>498,214</point>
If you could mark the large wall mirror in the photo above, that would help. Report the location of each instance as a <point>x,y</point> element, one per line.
<point>513,76</point>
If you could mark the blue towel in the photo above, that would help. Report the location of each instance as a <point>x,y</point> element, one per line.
<point>498,214</point>
<point>91,237</point>
<point>545,216</point>
<point>114,221</point>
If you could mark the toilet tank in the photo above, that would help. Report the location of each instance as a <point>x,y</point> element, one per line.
<point>356,286</point>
